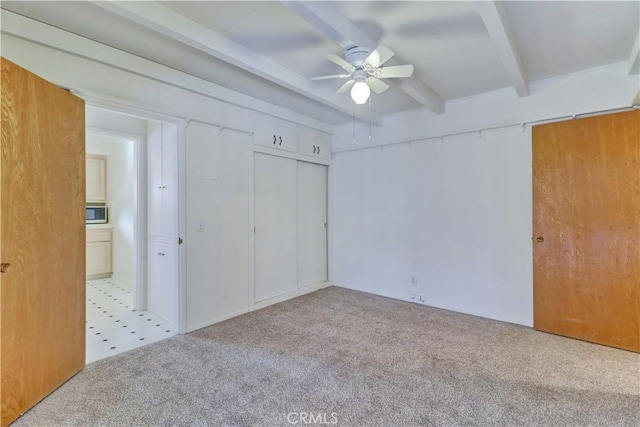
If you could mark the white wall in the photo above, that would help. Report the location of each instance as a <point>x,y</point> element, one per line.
<point>217,168</point>
<point>121,200</point>
<point>455,213</point>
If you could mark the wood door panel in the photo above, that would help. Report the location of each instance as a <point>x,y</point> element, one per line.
<point>42,225</point>
<point>586,202</point>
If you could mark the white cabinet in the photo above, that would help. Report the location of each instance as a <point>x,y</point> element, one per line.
<point>275,219</point>
<point>162,221</point>
<point>96,178</point>
<point>312,224</point>
<point>290,208</point>
<point>162,294</point>
<point>162,173</point>
<point>275,133</point>
<point>99,253</point>
<point>314,143</point>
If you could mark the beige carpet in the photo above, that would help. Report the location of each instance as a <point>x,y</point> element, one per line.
<point>357,359</point>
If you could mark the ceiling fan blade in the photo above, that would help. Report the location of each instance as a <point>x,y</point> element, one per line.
<point>395,71</point>
<point>334,76</point>
<point>340,61</point>
<point>346,86</point>
<point>376,85</point>
<point>379,56</point>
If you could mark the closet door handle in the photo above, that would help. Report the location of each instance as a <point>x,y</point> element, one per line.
<point>280,140</point>
<point>314,149</point>
<point>318,149</point>
<point>274,139</point>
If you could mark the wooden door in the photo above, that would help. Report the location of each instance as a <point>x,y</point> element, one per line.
<point>586,225</point>
<point>42,237</point>
<point>275,221</point>
<point>312,223</point>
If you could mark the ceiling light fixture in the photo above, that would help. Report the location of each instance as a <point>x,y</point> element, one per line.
<point>360,91</point>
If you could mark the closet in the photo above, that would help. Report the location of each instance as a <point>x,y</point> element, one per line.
<point>290,222</point>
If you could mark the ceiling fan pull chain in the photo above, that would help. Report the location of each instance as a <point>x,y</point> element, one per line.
<point>354,123</point>
<point>369,119</point>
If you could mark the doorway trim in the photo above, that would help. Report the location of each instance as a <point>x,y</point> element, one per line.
<point>150,114</point>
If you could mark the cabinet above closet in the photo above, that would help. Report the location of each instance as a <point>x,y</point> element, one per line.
<point>289,137</point>
<point>275,133</point>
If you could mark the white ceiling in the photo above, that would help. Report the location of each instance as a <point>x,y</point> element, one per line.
<point>270,49</point>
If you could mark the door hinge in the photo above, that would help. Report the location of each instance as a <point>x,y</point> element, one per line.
<point>179,240</point>
<point>254,230</point>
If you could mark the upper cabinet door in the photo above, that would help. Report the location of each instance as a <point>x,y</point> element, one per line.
<point>314,144</point>
<point>96,181</point>
<point>162,182</point>
<point>274,133</point>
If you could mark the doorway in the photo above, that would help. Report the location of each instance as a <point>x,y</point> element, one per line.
<point>119,316</point>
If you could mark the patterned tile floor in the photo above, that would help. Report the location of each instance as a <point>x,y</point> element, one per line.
<point>113,326</point>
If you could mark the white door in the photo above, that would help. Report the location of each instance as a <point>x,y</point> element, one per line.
<point>275,208</point>
<point>312,223</point>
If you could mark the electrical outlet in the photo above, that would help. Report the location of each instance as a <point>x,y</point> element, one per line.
<point>200,227</point>
<point>412,297</point>
<point>414,281</point>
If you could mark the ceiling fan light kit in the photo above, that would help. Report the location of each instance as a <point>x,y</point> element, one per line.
<point>360,92</point>
<point>363,66</point>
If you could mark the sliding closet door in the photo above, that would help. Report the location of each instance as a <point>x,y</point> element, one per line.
<point>275,207</point>
<point>312,224</point>
<point>586,223</point>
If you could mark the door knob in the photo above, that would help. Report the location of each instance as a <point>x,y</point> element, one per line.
<point>539,239</point>
<point>4,267</point>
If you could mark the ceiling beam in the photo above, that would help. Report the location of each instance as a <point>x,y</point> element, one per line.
<point>329,21</point>
<point>634,57</point>
<point>172,24</point>
<point>495,19</point>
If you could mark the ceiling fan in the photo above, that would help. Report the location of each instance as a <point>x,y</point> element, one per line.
<point>365,71</point>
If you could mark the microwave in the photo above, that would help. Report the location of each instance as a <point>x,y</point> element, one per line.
<point>97,214</point>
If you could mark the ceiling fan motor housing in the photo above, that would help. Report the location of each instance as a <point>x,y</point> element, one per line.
<point>355,55</point>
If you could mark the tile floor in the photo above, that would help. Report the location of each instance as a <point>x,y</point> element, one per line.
<point>113,326</point>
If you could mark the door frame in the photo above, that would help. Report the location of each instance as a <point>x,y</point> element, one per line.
<point>146,113</point>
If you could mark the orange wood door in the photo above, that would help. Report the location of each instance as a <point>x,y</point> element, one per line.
<point>586,225</point>
<point>42,237</point>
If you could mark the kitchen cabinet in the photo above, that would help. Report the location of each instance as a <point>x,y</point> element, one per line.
<point>96,178</point>
<point>290,211</point>
<point>313,143</point>
<point>275,133</point>
<point>99,252</point>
